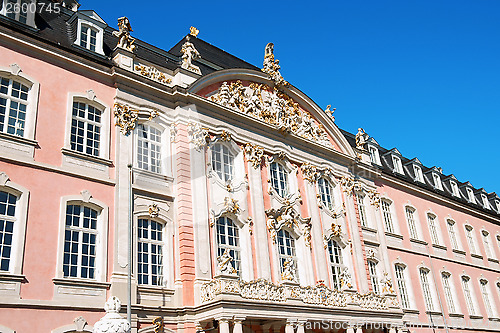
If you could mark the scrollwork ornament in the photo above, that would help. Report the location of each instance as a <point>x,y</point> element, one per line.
<point>158,325</point>
<point>153,73</point>
<point>225,136</point>
<point>126,117</point>
<point>231,205</point>
<point>374,198</point>
<point>198,135</point>
<point>309,172</point>
<point>271,66</point>
<point>154,210</point>
<point>349,184</point>
<point>254,154</point>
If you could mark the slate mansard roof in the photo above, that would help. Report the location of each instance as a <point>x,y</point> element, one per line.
<point>60,30</point>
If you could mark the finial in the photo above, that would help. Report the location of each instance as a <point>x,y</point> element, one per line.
<point>271,66</point>
<point>193,31</point>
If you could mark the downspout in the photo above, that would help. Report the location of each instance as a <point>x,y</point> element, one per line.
<point>439,296</point>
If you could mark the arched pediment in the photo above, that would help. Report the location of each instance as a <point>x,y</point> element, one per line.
<point>284,107</point>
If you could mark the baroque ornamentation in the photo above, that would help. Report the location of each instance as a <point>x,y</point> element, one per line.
<point>330,112</point>
<point>15,69</point>
<point>231,205</point>
<point>285,216</point>
<point>154,210</point>
<point>387,287</point>
<point>225,136</point>
<point>345,279</point>
<point>309,172</point>
<point>361,138</point>
<point>173,132</point>
<point>189,54</point>
<point>193,31</point>
<point>335,231</point>
<point>112,322</point>
<point>153,73</point>
<point>289,272</point>
<point>272,67</point>
<point>254,154</point>
<point>125,41</point>
<point>374,198</point>
<point>224,264</point>
<point>158,324</point>
<point>198,135</point>
<point>263,290</point>
<point>126,117</point>
<point>349,184</point>
<point>271,106</point>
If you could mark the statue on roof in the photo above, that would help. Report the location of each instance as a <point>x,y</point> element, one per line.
<point>330,112</point>
<point>361,138</point>
<point>125,41</point>
<point>189,54</point>
<point>272,67</point>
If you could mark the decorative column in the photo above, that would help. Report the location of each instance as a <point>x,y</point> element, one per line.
<point>224,325</point>
<point>238,325</point>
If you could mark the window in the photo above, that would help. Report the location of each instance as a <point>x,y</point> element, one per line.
<point>149,148</point>
<point>326,193</point>
<point>85,129</point>
<point>360,199</point>
<point>80,238</point>
<point>13,106</point>
<point>468,295</point>
<point>453,234</point>
<point>286,250</point>
<point>396,161</point>
<point>401,282</point>
<point>487,245</point>
<point>486,298</point>
<point>374,156</point>
<point>222,162</point>
<point>470,194</point>
<point>418,173</point>
<point>20,10</point>
<point>426,288</point>
<point>386,212</point>
<point>437,181</point>
<point>372,269</point>
<point>470,238</point>
<point>336,263</point>
<point>486,204</point>
<point>279,179</point>
<point>228,239</point>
<point>454,189</point>
<point>150,252</point>
<point>7,221</point>
<point>448,292</point>
<point>412,226</point>
<point>431,219</point>
<point>88,37</point>
<point>497,203</point>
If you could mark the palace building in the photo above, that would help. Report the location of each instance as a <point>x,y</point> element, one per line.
<point>238,204</point>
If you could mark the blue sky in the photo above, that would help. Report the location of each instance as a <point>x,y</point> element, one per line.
<point>422,76</point>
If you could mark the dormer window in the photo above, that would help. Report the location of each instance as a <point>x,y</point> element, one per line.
<point>497,202</point>
<point>486,204</point>
<point>418,173</point>
<point>437,181</point>
<point>454,189</point>
<point>90,30</point>
<point>396,161</point>
<point>22,11</point>
<point>374,156</point>
<point>470,195</point>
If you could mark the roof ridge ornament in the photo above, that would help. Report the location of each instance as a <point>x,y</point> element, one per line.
<point>272,67</point>
<point>125,41</point>
<point>193,31</point>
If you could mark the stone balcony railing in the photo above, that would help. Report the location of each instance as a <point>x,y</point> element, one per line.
<point>263,290</point>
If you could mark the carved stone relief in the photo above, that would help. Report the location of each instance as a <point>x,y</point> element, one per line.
<point>126,117</point>
<point>254,155</point>
<point>152,73</point>
<point>198,135</point>
<point>189,54</point>
<point>286,216</point>
<point>125,41</point>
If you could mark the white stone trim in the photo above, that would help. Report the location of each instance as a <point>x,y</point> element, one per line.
<point>30,14</point>
<point>92,23</point>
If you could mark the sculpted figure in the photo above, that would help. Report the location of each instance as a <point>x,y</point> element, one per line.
<point>224,265</point>
<point>189,54</point>
<point>361,138</point>
<point>288,273</point>
<point>125,41</point>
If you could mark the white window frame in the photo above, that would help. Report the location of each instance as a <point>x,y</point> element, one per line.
<point>486,203</point>
<point>415,234</point>
<point>19,231</point>
<point>162,243</point>
<point>163,148</point>
<point>374,276</point>
<point>470,195</point>
<point>419,176</point>
<point>488,299</point>
<point>391,214</point>
<point>291,176</point>
<point>84,20</point>
<point>450,293</point>
<point>30,14</point>
<point>326,192</point>
<point>471,239</point>
<point>451,226</point>
<point>428,289</point>
<point>404,281</point>
<point>454,189</point>
<point>231,162</point>
<point>85,199</point>
<point>397,164</point>
<point>374,155</point>
<point>90,99</point>
<point>236,262</point>
<point>362,209</point>
<point>469,295</point>
<point>13,145</point>
<point>490,252</point>
<point>434,228</point>
<point>436,178</point>
<point>294,257</point>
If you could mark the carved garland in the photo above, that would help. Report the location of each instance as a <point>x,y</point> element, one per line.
<point>126,117</point>
<point>271,106</point>
<point>152,73</point>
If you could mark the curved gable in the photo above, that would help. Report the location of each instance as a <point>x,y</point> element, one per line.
<point>286,108</point>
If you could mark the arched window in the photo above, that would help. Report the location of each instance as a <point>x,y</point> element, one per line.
<point>401,282</point>
<point>326,193</point>
<point>149,148</point>
<point>336,263</point>
<point>86,128</point>
<point>222,162</point>
<point>426,289</point>
<point>279,179</point>
<point>372,269</point>
<point>387,215</point>
<point>7,222</point>
<point>286,250</point>
<point>228,238</point>
<point>448,292</point>
<point>150,245</point>
<point>412,224</point>
<point>80,239</point>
